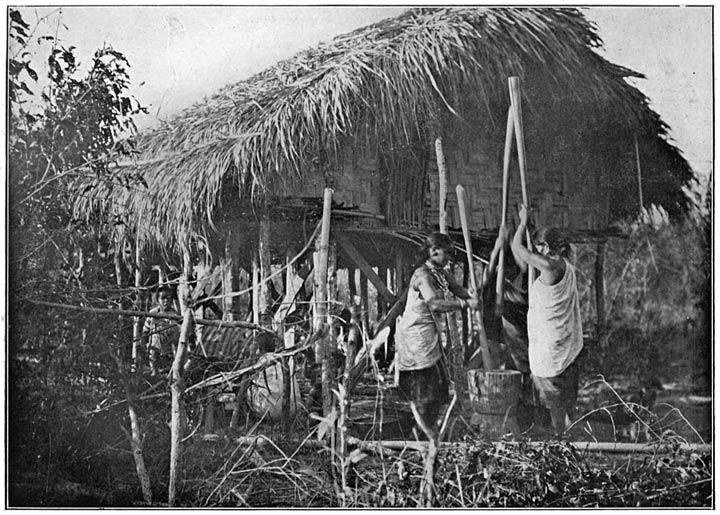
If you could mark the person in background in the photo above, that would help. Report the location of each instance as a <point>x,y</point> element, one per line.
<point>265,393</point>
<point>554,321</point>
<point>423,371</point>
<point>161,334</point>
<point>513,324</point>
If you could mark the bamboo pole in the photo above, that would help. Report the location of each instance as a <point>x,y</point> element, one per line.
<point>255,288</point>
<point>442,175</point>
<point>265,263</point>
<point>226,265</point>
<point>477,314</point>
<point>455,345</point>
<point>321,307</point>
<point>503,214</point>
<point>332,274</point>
<point>516,105</point>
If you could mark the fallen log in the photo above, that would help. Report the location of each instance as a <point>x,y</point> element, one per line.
<point>168,316</point>
<point>594,447</point>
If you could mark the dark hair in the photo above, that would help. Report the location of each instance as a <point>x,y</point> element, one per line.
<point>167,290</point>
<point>440,240</point>
<point>555,240</point>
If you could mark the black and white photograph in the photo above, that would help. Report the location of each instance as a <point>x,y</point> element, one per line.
<point>359,256</point>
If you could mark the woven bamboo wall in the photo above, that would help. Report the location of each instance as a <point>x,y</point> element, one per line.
<point>357,183</point>
<point>564,191</point>
<point>563,183</point>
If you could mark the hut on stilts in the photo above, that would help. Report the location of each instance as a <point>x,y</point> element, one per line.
<point>233,185</point>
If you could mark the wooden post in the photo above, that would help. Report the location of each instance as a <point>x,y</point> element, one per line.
<point>291,289</point>
<point>380,300</point>
<point>321,306</point>
<point>137,321</point>
<point>600,287</point>
<point>265,264</point>
<point>442,176</point>
<point>352,285</point>
<point>516,105</point>
<point>119,276</point>
<point>390,279</point>
<point>503,214</point>
<point>202,270</point>
<point>177,386</point>
<point>365,305</point>
<point>399,271</point>
<point>332,275</point>
<point>466,326</point>
<point>226,265</point>
<point>639,172</point>
<point>455,345</point>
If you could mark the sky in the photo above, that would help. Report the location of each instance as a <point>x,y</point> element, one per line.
<point>179,55</point>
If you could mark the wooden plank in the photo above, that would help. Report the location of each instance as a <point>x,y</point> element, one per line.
<point>366,269</point>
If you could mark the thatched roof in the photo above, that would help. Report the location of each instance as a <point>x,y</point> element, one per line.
<point>384,84</point>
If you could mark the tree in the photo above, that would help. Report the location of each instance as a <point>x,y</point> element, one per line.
<point>76,124</point>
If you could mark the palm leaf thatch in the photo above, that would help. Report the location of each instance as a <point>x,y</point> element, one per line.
<point>382,86</point>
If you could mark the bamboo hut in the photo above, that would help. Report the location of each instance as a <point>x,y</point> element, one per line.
<point>241,174</point>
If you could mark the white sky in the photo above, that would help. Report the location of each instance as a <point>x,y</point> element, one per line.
<point>178,55</point>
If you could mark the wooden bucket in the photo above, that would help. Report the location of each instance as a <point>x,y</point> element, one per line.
<point>389,420</point>
<point>495,392</point>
